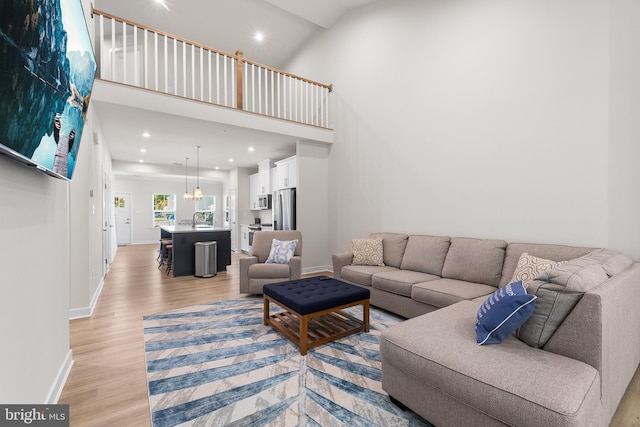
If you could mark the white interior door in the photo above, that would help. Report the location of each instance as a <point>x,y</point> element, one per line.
<point>122,206</point>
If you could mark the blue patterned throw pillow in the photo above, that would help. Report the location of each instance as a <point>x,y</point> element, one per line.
<point>503,312</point>
<point>281,251</point>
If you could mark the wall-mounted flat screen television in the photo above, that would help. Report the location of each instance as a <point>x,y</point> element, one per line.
<point>47,67</point>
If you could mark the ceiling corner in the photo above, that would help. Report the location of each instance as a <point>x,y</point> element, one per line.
<point>323,14</point>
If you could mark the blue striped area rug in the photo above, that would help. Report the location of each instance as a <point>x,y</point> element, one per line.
<point>218,365</point>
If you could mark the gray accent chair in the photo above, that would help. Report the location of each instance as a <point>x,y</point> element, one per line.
<point>255,273</point>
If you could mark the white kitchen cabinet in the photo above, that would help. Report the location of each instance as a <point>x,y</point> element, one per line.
<point>244,238</point>
<point>264,173</point>
<point>274,179</point>
<point>287,173</point>
<point>254,187</point>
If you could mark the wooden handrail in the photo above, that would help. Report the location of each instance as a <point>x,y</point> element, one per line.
<point>200,45</point>
<point>275,70</point>
<point>153,30</point>
<point>298,99</point>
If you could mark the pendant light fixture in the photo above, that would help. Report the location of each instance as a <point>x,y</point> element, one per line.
<point>187,195</point>
<point>197,193</point>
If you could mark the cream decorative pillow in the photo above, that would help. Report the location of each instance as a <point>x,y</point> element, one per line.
<point>367,252</point>
<point>529,267</point>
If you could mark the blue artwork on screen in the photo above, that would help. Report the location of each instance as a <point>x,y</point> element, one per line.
<point>47,67</point>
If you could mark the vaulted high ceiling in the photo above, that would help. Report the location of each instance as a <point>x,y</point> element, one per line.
<point>228,26</point>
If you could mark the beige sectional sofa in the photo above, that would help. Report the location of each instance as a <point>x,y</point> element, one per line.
<point>568,365</point>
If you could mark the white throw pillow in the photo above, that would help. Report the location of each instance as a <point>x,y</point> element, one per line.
<point>281,251</point>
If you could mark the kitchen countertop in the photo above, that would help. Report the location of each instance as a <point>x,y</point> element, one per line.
<point>189,229</point>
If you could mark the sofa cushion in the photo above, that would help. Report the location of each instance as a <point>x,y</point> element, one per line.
<point>475,260</point>
<point>367,252</point>
<point>512,383</point>
<point>400,281</point>
<point>546,251</point>
<point>612,262</point>
<point>362,274</point>
<point>425,254</point>
<point>444,292</point>
<point>503,312</point>
<point>394,245</point>
<point>269,271</point>
<point>558,291</point>
<point>529,267</point>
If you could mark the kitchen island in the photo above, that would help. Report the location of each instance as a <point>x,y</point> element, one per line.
<point>184,237</point>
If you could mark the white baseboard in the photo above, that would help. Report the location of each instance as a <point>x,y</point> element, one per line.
<point>317,269</point>
<point>60,380</point>
<point>78,313</point>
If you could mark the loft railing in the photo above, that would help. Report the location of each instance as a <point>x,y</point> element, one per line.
<point>135,55</point>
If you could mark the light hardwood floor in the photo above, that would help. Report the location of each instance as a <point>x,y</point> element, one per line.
<point>107,385</point>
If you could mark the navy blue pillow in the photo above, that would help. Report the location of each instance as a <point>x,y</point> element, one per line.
<point>503,312</point>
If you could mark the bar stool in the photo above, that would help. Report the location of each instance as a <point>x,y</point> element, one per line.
<point>163,253</point>
<point>169,260</point>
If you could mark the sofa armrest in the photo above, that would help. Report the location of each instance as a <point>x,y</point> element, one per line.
<point>340,260</point>
<point>245,263</point>
<point>295,267</point>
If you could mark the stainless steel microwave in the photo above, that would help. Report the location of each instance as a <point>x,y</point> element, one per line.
<point>264,202</point>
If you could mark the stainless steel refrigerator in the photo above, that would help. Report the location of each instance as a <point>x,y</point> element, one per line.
<point>284,209</point>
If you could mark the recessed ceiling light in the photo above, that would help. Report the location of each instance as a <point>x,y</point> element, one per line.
<point>146,134</point>
<point>143,150</point>
<point>252,149</point>
<point>162,2</point>
<point>230,160</point>
<point>141,160</point>
<point>258,36</point>
<point>217,167</point>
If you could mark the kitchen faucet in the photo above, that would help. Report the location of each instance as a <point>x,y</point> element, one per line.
<point>195,215</point>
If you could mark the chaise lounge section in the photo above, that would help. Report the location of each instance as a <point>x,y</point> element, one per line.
<point>568,365</point>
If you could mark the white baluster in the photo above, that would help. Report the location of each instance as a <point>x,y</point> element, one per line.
<point>155,57</point>
<point>146,58</point>
<point>102,49</point>
<point>184,69</point>
<point>209,73</point>
<point>201,74</point>
<point>113,51</point>
<point>136,60</point>
<point>175,67</point>
<point>217,78</point>
<point>124,52</point>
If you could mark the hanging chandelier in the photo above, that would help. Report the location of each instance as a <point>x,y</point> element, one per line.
<point>187,195</point>
<point>197,193</point>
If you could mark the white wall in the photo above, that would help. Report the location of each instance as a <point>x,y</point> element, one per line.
<point>34,295</point>
<point>52,242</point>
<point>142,190</point>
<point>312,214</point>
<point>624,132</point>
<point>86,216</point>
<point>52,266</point>
<point>481,119</point>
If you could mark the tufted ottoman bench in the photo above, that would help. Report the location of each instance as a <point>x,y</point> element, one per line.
<point>312,310</point>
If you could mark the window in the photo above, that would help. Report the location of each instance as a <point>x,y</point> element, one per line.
<point>164,209</point>
<point>205,209</point>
